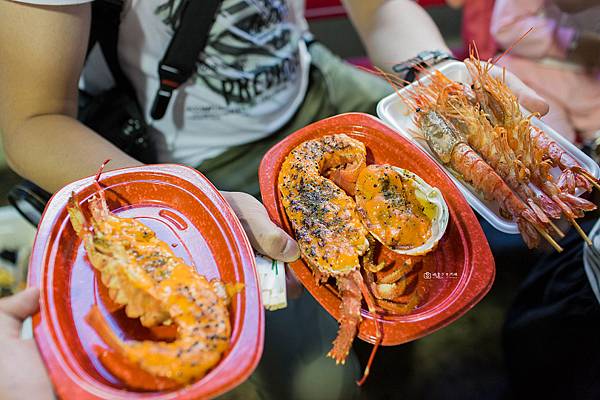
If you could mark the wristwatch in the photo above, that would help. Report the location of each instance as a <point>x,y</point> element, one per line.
<point>408,70</point>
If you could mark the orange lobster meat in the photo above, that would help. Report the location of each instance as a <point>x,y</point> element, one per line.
<point>145,277</point>
<point>316,182</point>
<point>328,229</point>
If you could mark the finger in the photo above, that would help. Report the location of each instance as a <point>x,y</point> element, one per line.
<point>14,309</point>
<point>265,237</point>
<point>21,305</point>
<point>270,240</point>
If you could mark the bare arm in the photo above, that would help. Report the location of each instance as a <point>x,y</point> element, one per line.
<point>394,30</point>
<point>43,50</point>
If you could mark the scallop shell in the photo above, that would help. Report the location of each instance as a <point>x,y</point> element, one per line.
<point>439,221</point>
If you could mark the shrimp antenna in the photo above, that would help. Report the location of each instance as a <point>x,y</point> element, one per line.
<point>97,177</point>
<point>417,135</point>
<point>378,71</point>
<point>473,50</point>
<point>548,238</point>
<point>512,46</point>
<point>100,170</point>
<point>387,77</point>
<point>378,334</point>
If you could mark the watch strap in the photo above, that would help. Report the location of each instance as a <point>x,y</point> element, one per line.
<point>408,70</point>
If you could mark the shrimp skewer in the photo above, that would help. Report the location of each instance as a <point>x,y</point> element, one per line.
<point>445,142</point>
<point>486,118</point>
<point>520,163</point>
<point>535,148</point>
<point>449,146</point>
<point>492,144</point>
<point>503,109</point>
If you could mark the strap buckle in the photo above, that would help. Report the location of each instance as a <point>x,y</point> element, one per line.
<point>170,79</point>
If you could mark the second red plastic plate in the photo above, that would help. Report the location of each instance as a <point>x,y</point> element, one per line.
<point>456,276</point>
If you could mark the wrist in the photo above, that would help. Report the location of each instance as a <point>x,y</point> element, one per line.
<point>409,69</point>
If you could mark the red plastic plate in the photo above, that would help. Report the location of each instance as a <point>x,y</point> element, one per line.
<point>185,210</point>
<point>456,276</point>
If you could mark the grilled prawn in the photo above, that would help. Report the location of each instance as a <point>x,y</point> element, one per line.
<point>144,276</point>
<point>503,109</point>
<point>445,142</point>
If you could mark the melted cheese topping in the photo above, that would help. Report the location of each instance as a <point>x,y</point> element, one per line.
<point>392,208</point>
<point>328,229</point>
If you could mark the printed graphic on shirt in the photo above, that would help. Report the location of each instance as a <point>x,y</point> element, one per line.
<point>252,53</point>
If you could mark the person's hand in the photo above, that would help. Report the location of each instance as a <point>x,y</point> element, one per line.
<point>22,373</point>
<point>525,95</point>
<point>265,237</point>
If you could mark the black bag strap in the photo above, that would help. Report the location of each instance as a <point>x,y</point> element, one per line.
<point>189,39</point>
<point>106,19</point>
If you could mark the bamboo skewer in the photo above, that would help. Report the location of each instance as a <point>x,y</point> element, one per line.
<point>557,229</point>
<point>580,231</point>
<point>548,238</point>
<point>590,178</point>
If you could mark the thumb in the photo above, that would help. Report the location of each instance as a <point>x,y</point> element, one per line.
<point>534,102</point>
<point>265,237</point>
<point>21,305</point>
<point>272,241</point>
<point>14,309</point>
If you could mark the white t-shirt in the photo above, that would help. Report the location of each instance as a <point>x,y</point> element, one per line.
<point>250,79</point>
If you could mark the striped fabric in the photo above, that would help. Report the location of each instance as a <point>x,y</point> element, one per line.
<point>591,260</point>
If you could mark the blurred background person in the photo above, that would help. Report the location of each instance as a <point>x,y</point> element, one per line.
<point>550,337</point>
<point>559,58</point>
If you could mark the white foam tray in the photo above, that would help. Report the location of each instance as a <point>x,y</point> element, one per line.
<point>395,113</point>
